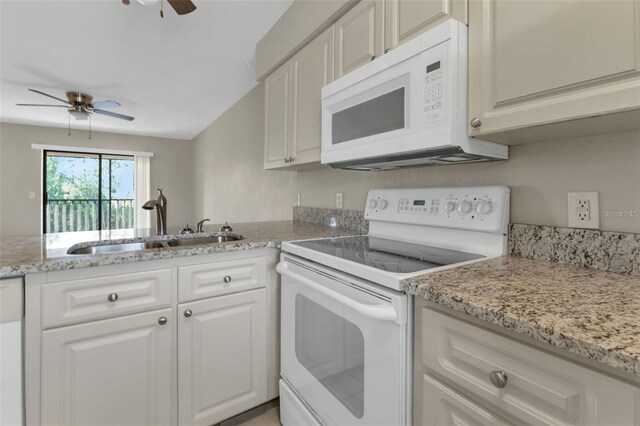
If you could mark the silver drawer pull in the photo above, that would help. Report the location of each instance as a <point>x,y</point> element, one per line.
<point>162,320</point>
<point>188,313</point>
<point>227,279</point>
<point>498,379</point>
<point>112,297</point>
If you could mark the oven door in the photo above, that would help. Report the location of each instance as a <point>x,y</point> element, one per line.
<point>344,345</point>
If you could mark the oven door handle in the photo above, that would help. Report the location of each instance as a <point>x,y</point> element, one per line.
<point>378,312</point>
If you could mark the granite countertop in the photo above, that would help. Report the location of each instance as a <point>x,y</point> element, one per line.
<point>592,313</point>
<point>22,255</point>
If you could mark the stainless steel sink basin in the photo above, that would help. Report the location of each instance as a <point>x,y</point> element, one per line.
<point>220,238</point>
<point>119,248</point>
<point>116,248</point>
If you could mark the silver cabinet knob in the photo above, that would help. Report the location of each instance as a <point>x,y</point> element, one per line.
<point>188,313</point>
<point>112,297</point>
<point>373,58</point>
<point>475,122</point>
<point>387,50</point>
<point>162,320</point>
<point>227,279</point>
<point>498,379</point>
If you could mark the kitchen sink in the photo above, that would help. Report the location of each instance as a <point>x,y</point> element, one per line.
<point>218,238</point>
<point>184,242</point>
<point>116,248</point>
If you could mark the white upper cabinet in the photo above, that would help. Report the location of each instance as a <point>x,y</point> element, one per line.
<point>276,117</point>
<point>359,36</point>
<point>293,115</point>
<point>539,62</point>
<point>311,68</point>
<point>405,19</point>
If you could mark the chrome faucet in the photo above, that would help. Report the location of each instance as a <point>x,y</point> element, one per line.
<point>160,205</point>
<point>199,225</point>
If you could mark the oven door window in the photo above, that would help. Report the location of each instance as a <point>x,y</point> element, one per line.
<point>332,350</point>
<point>381,114</point>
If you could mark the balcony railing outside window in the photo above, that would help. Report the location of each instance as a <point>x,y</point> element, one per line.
<point>82,215</point>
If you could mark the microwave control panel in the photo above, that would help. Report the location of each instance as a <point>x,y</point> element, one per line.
<point>434,73</point>
<point>433,91</point>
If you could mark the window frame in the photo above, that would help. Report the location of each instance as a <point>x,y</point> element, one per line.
<point>100,155</point>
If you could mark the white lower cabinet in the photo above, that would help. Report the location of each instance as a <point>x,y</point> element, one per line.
<point>113,345</point>
<point>222,361</point>
<point>466,374</point>
<point>111,372</point>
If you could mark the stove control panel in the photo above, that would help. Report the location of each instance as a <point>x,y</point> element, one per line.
<point>478,208</point>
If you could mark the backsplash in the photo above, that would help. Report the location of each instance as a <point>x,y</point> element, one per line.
<point>608,251</point>
<point>351,219</point>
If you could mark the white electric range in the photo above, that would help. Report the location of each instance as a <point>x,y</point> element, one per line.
<point>346,326</point>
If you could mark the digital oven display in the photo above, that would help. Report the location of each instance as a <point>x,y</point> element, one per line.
<point>419,202</point>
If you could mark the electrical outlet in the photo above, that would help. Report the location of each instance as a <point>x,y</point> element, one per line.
<point>338,200</point>
<point>584,211</point>
<point>299,200</point>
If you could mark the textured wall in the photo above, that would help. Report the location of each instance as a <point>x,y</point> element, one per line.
<point>229,182</point>
<point>21,166</point>
<point>540,175</point>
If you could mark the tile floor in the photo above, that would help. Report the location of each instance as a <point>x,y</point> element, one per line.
<point>270,417</point>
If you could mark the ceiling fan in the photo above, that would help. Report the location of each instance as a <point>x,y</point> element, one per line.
<point>182,7</point>
<point>81,105</point>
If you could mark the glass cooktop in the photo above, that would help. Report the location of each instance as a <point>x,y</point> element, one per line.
<point>388,255</point>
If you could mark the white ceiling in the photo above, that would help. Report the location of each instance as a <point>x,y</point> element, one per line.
<point>174,75</point>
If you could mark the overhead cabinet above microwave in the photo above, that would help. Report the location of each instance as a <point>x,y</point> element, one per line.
<point>406,109</point>
<point>542,70</point>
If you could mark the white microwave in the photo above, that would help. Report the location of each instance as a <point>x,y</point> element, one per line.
<point>407,108</point>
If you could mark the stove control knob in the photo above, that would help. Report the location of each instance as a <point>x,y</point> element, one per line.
<point>484,207</point>
<point>450,206</point>
<point>382,204</point>
<point>373,204</point>
<point>465,207</point>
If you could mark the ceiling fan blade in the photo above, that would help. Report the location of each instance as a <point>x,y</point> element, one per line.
<point>44,105</point>
<point>104,104</point>
<point>114,115</point>
<point>182,7</point>
<point>125,2</point>
<point>52,97</point>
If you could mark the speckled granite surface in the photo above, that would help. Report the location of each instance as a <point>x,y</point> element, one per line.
<point>609,251</point>
<point>351,219</point>
<point>592,313</point>
<point>23,255</point>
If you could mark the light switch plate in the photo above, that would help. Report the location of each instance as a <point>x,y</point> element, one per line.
<point>338,200</point>
<point>584,210</point>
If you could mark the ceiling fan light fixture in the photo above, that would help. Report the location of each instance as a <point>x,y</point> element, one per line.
<point>148,2</point>
<point>79,115</point>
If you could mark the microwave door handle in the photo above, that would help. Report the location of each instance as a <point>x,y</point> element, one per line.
<point>377,312</point>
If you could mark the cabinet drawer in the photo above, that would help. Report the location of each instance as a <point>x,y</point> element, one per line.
<point>540,388</point>
<point>441,405</point>
<point>104,297</point>
<point>215,279</point>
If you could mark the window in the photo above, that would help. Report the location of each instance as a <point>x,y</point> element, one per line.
<point>87,192</point>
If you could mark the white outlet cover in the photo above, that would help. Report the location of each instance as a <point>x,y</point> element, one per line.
<point>338,200</point>
<point>299,199</point>
<point>583,210</point>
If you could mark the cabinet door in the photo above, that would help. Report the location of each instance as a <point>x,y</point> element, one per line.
<point>111,372</point>
<point>359,36</point>
<point>276,117</point>
<point>222,357</point>
<point>537,62</point>
<point>311,69</point>
<point>405,19</point>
